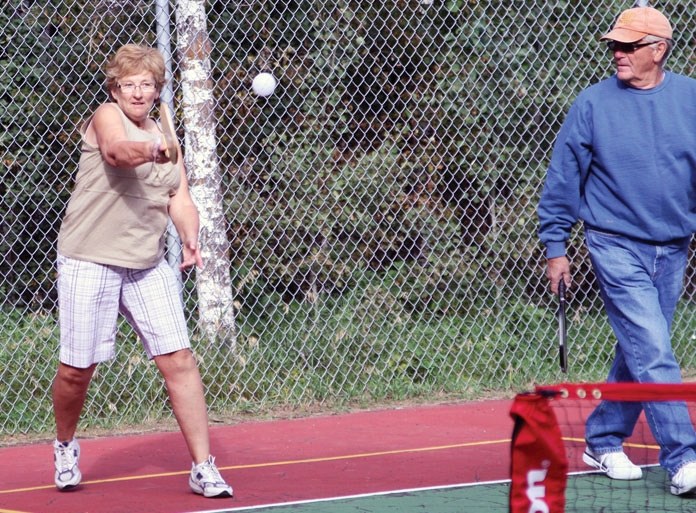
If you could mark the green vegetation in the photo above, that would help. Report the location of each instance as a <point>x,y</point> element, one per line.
<point>321,353</point>
<point>380,205</point>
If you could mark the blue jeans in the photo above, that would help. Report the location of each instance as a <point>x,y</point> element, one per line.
<point>640,284</point>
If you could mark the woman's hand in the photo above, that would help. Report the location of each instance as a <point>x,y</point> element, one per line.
<point>191,255</point>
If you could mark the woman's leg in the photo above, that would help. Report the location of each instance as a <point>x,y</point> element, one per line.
<point>186,393</point>
<point>69,392</point>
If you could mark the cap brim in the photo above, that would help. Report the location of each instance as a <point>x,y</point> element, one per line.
<point>623,35</point>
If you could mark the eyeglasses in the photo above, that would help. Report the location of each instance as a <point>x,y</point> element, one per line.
<point>130,87</point>
<point>616,46</point>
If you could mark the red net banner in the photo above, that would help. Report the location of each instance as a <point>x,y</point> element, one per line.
<point>539,465</point>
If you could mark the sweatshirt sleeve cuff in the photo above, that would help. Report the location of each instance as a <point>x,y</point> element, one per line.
<point>555,249</point>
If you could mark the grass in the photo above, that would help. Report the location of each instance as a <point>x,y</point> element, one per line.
<point>361,348</point>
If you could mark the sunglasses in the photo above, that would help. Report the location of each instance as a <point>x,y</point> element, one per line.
<point>616,46</point>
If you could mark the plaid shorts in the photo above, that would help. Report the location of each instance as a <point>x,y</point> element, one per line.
<point>90,297</point>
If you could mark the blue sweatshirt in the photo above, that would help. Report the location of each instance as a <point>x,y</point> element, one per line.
<point>624,162</point>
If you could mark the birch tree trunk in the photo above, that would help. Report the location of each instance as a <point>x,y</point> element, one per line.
<point>213,282</point>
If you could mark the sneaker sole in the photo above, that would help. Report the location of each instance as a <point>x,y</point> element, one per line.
<point>675,490</point>
<point>594,463</point>
<point>221,495</point>
<point>66,487</point>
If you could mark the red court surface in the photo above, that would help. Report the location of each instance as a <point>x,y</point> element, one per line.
<point>272,462</point>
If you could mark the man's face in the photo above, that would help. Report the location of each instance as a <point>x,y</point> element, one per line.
<point>638,64</point>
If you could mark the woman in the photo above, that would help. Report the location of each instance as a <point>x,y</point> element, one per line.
<point>111,259</point>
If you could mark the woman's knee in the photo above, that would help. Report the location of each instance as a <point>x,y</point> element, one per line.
<point>181,361</point>
<point>75,376</point>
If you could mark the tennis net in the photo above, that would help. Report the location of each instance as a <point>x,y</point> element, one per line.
<point>548,474</point>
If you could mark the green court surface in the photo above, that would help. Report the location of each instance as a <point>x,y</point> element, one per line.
<point>484,498</point>
<point>586,493</point>
<point>595,493</point>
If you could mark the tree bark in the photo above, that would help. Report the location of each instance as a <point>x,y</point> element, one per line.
<point>213,282</point>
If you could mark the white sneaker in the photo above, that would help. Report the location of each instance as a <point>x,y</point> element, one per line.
<point>206,480</point>
<point>66,456</point>
<point>684,481</point>
<point>614,464</point>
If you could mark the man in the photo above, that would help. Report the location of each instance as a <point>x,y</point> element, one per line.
<point>624,163</point>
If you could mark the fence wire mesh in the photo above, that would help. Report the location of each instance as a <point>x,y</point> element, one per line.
<point>369,228</point>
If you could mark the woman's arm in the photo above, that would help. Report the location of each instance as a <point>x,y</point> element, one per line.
<point>107,131</point>
<point>184,215</point>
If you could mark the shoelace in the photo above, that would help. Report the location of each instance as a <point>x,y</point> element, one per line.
<point>66,457</point>
<point>209,472</point>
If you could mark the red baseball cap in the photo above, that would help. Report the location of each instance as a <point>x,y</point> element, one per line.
<point>636,23</point>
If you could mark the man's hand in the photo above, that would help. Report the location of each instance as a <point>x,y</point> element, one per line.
<point>558,269</point>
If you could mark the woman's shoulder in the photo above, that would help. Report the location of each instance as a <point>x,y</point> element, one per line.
<point>109,109</point>
<point>110,112</point>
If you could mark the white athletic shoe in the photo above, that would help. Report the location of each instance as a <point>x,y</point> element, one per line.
<point>206,480</point>
<point>66,456</point>
<point>684,481</point>
<point>616,465</point>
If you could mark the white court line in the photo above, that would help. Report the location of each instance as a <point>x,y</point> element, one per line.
<point>377,494</point>
<point>346,497</point>
<point>597,471</point>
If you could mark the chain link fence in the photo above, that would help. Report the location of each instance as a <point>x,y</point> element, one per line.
<point>369,229</point>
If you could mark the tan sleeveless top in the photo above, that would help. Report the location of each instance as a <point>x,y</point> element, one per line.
<point>118,216</point>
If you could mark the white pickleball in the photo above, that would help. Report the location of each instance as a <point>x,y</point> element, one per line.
<point>264,84</point>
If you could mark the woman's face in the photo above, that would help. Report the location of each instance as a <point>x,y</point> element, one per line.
<point>136,94</point>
